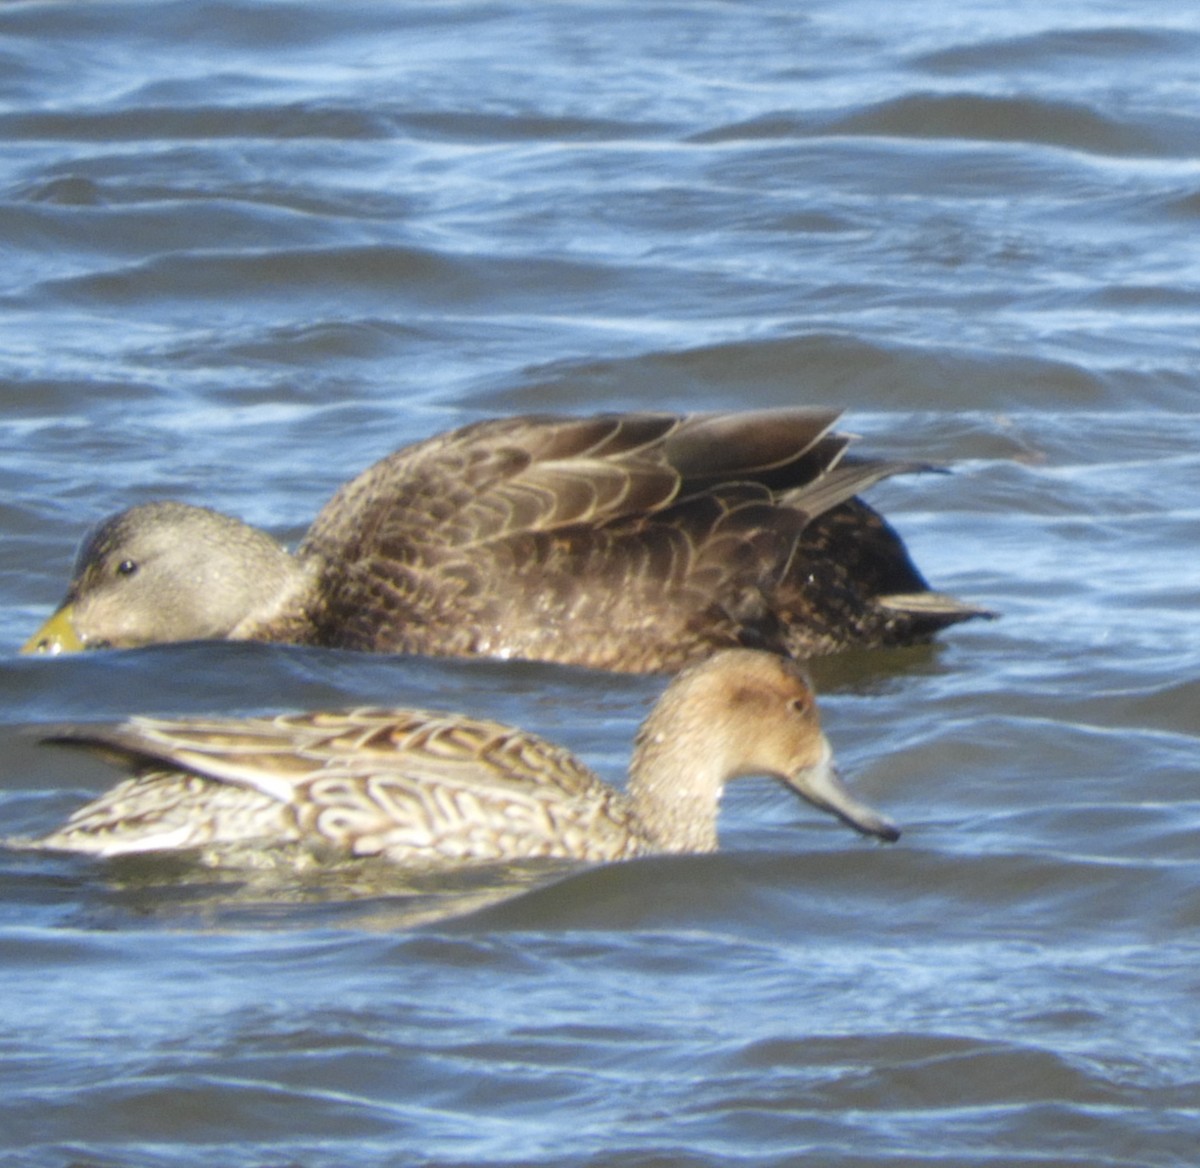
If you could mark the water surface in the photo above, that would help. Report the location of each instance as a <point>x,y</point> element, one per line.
<point>250,247</point>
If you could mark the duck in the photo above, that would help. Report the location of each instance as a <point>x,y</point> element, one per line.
<point>438,790</point>
<point>629,542</point>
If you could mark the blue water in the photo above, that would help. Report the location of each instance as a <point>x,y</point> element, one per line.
<point>250,247</point>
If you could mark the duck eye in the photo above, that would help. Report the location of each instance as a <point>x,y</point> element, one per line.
<point>800,705</point>
<point>127,568</point>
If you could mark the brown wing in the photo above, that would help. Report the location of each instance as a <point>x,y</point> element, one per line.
<point>274,755</point>
<point>414,786</point>
<point>631,542</point>
<point>543,473</point>
<point>494,538</point>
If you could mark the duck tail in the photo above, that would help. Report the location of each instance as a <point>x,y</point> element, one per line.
<point>938,609</point>
<point>847,479</point>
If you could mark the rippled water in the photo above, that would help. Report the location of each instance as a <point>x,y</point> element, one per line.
<point>250,247</point>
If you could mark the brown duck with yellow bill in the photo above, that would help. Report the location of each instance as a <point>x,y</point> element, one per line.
<point>631,542</point>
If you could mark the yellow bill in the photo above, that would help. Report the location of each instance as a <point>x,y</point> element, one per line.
<point>57,635</point>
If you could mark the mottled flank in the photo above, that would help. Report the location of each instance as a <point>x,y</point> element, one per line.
<point>437,789</point>
<point>631,542</point>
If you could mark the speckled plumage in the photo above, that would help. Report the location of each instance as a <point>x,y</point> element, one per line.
<point>438,789</point>
<point>631,542</point>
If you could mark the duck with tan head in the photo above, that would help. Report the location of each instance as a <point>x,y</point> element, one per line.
<point>419,788</point>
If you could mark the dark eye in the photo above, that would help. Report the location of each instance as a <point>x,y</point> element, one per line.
<point>801,705</point>
<point>127,568</point>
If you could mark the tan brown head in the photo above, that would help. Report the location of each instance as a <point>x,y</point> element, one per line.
<point>739,712</point>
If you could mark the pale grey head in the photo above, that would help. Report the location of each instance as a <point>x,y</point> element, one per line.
<point>167,571</point>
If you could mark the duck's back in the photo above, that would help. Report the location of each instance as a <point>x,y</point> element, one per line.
<point>632,542</point>
<point>408,786</point>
